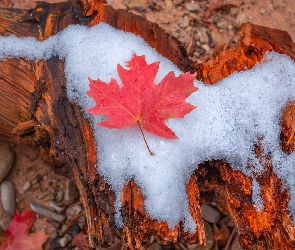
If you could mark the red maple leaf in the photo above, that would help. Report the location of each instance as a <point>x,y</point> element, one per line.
<point>17,233</point>
<point>140,100</point>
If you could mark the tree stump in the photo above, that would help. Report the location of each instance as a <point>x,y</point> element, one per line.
<point>36,111</point>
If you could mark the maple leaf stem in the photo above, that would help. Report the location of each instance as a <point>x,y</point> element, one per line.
<point>151,153</point>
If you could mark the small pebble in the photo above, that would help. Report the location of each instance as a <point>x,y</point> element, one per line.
<point>7,157</point>
<point>200,50</point>
<point>233,11</point>
<point>69,237</point>
<point>53,234</point>
<point>35,186</point>
<point>49,197</point>
<point>26,186</point>
<point>197,18</point>
<point>60,195</point>
<point>138,5</point>
<point>209,213</point>
<point>241,18</point>
<point>38,208</point>
<point>177,2</point>
<point>63,241</point>
<point>190,6</point>
<point>206,47</point>
<point>55,207</point>
<point>203,35</point>
<point>81,219</point>
<point>41,195</point>
<point>184,22</point>
<point>74,229</point>
<point>71,190</point>
<point>63,228</point>
<point>216,37</point>
<point>164,20</point>
<point>8,197</point>
<point>81,225</point>
<point>152,239</point>
<point>250,18</point>
<point>262,11</point>
<point>74,210</point>
<point>221,25</point>
<point>34,181</point>
<point>53,181</point>
<point>55,243</point>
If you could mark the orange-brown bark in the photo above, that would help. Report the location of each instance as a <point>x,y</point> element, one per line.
<point>35,110</point>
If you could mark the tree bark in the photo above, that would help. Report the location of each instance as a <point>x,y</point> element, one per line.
<point>36,111</point>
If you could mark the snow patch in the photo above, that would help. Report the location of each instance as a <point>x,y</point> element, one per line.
<point>229,118</point>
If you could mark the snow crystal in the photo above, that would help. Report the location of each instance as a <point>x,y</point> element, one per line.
<point>229,118</point>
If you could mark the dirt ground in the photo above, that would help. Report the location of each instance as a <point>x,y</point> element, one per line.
<point>199,25</point>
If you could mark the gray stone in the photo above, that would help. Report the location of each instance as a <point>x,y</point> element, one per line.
<point>55,207</point>
<point>38,208</point>
<point>190,6</point>
<point>209,213</point>
<point>8,197</point>
<point>7,157</point>
<point>63,241</point>
<point>4,223</point>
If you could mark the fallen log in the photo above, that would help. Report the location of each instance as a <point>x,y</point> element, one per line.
<point>36,111</point>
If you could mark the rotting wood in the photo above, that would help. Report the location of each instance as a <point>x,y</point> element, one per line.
<point>35,110</point>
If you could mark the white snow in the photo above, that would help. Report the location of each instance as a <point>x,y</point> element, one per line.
<point>229,118</point>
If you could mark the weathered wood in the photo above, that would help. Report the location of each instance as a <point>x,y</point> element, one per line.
<point>35,110</point>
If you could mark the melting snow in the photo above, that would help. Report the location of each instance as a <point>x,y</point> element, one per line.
<point>229,118</point>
